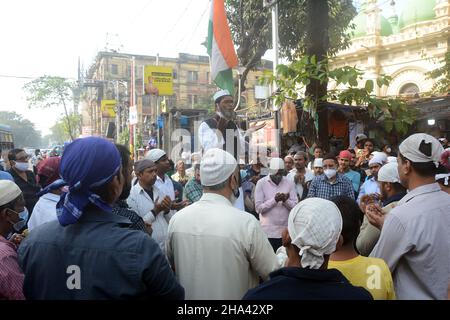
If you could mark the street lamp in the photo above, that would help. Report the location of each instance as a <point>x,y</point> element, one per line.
<point>431,122</point>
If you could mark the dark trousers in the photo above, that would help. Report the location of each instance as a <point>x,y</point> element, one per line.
<point>275,243</point>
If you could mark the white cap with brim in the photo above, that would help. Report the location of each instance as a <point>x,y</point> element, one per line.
<point>8,191</point>
<point>421,147</point>
<point>389,173</point>
<point>155,154</point>
<point>220,94</point>
<point>216,167</point>
<point>275,165</point>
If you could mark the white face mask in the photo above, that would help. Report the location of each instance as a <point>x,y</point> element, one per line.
<point>330,173</point>
<point>21,166</point>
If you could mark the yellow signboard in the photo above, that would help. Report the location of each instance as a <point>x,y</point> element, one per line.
<point>108,108</point>
<point>158,80</point>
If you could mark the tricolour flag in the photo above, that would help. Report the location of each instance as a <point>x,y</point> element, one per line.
<point>222,56</point>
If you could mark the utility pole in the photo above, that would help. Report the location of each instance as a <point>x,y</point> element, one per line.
<point>274,5</point>
<point>158,140</point>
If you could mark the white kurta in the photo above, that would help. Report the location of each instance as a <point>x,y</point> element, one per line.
<point>141,203</point>
<point>218,251</point>
<point>208,138</point>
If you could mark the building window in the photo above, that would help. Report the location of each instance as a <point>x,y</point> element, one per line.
<point>409,90</point>
<point>208,79</point>
<point>114,69</point>
<point>128,71</point>
<point>192,76</point>
<point>192,100</point>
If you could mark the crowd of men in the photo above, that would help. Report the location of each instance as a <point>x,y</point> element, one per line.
<point>360,224</point>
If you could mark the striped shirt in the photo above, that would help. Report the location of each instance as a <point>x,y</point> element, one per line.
<point>11,276</point>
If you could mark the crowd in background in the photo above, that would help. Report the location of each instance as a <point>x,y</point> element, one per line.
<point>360,223</point>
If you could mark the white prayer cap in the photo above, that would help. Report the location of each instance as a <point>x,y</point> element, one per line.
<point>382,156</point>
<point>318,163</point>
<point>216,166</point>
<point>8,191</point>
<point>391,159</point>
<point>220,94</point>
<point>155,154</point>
<point>276,164</point>
<point>241,162</point>
<point>389,173</point>
<point>314,226</point>
<point>421,147</point>
<point>378,158</point>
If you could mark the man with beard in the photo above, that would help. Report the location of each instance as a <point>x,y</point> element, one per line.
<point>275,196</point>
<point>301,175</point>
<point>391,193</point>
<point>371,186</point>
<point>222,131</point>
<point>121,207</point>
<point>217,250</point>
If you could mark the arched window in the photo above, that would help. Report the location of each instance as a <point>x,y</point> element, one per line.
<point>409,90</point>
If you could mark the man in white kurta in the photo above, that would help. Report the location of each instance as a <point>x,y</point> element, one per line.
<point>149,204</point>
<point>216,250</point>
<point>415,236</point>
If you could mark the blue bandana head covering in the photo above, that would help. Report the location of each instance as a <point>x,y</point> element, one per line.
<point>86,163</point>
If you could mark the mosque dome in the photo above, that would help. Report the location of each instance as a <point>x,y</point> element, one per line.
<point>360,22</point>
<point>417,11</point>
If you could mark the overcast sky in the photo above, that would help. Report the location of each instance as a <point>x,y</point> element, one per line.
<point>46,37</point>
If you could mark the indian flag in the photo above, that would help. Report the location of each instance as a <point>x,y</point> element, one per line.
<point>220,47</point>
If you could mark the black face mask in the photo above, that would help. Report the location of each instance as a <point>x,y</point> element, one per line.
<point>276,179</point>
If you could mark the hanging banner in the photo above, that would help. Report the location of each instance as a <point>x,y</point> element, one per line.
<point>108,108</point>
<point>158,80</point>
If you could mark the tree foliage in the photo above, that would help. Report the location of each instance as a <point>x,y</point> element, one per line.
<point>25,135</point>
<point>394,115</point>
<point>250,25</point>
<point>60,131</point>
<point>442,76</point>
<point>50,91</point>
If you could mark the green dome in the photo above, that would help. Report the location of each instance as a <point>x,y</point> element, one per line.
<point>417,11</point>
<point>386,28</point>
<point>360,22</point>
